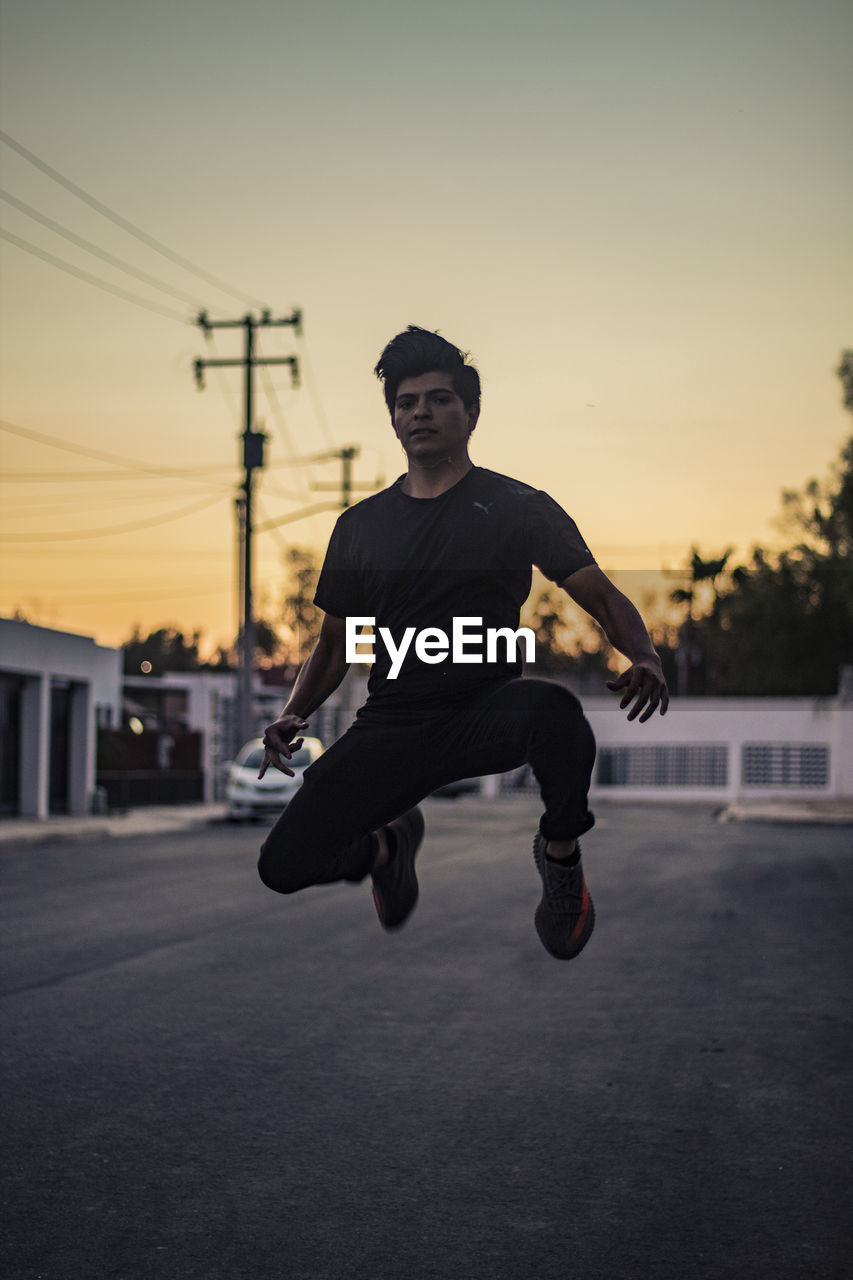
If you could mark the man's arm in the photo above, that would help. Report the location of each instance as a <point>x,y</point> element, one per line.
<point>643,682</point>
<point>320,676</point>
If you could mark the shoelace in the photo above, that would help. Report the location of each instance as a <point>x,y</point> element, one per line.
<point>564,893</point>
<point>563,885</point>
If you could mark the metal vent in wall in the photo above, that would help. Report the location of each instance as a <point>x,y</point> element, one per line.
<point>785,764</point>
<point>682,765</point>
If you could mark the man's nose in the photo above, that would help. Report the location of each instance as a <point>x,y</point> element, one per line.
<point>421,409</point>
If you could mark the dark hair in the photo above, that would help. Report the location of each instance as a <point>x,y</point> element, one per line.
<point>420,351</point>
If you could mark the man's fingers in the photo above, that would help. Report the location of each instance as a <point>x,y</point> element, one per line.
<point>268,760</point>
<point>635,686</point>
<point>272,757</point>
<point>642,699</point>
<point>658,697</point>
<point>276,741</point>
<point>647,688</point>
<point>650,709</point>
<point>641,686</point>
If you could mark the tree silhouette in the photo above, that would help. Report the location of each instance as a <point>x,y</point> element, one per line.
<point>567,641</point>
<point>299,614</point>
<point>165,649</point>
<point>784,623</point>
<point>696,656</point>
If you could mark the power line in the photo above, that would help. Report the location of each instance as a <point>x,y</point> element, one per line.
<point>278,536</point>
<point>78,477</point>
<point>146,594</point>
<point>116,459</point>
<point>66,503</point>
<point>314,393</point>
<point>275,405</point>
<point>66,535</point>
<point>224,384</point>
<point>289,495</point>
<point>125,553</point>
<point>133,230</point>
<point>189,473</point>
<point>318,508</point>
<point>278,415</point>
<point>90,279</point>
<point>82,243</point>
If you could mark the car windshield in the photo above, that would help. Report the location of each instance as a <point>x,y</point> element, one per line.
<point>299,760</point>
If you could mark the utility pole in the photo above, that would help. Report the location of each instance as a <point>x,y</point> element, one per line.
<point>253,457</point>
<point>346,455</point>
<point>346,487</point>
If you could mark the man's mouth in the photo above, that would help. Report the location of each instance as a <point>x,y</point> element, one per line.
<point>421,431</point>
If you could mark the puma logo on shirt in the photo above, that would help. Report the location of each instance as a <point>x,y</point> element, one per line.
<point>484,509</point>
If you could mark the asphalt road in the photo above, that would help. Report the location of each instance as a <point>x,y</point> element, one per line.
<point>204,1080</point>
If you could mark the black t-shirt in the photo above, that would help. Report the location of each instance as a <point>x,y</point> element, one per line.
<point>420,562</point>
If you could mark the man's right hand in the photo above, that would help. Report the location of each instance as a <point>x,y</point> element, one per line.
<point>279,741</point>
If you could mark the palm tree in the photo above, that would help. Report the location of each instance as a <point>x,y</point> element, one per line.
<point>689,654</point>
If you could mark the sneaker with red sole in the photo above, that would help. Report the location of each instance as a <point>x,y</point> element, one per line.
<point>565,917</point>
<point>395,886</point>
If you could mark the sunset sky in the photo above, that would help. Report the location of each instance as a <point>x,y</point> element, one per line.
<point>635,216</point>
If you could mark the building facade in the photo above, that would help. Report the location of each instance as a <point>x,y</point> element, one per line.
<point>56,689</point>
<point>205,702</point>
<point>722,749</point>
<point>60,693</point>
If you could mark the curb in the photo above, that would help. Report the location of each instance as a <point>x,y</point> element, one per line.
<point>802,815</point>
<point>135,822</point>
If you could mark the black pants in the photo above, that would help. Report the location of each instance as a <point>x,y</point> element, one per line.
<point>376,772</point>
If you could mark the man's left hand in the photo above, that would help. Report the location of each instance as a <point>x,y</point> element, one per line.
<point>645,686</point>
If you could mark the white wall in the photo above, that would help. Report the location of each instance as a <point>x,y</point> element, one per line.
<point>212,711</point>
<point>732,723</point>
<point>39,656</point>
<point>729,723</point>
<point>29,650</point>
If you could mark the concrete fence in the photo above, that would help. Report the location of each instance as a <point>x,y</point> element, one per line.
<point>726,749</point>
<point>57,690</point>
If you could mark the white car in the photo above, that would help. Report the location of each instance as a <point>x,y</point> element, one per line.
<point>249,796</point>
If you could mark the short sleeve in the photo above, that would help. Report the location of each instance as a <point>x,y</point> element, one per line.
<point>554,540</point>
<point>339,588</point>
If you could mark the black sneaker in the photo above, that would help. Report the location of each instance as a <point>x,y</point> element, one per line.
<point>395,886</point>
<point>565,917</point>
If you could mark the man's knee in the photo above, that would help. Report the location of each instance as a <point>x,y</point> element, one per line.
<point>560,719</point>
<point>558,702</point>
<point>277,875</point>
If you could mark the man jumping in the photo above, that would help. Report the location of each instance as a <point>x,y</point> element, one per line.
<point>448,545</point>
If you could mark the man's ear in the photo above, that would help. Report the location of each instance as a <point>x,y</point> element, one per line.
<point>473,417</point>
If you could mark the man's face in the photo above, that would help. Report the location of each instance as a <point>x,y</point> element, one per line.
<point>430,419</point>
